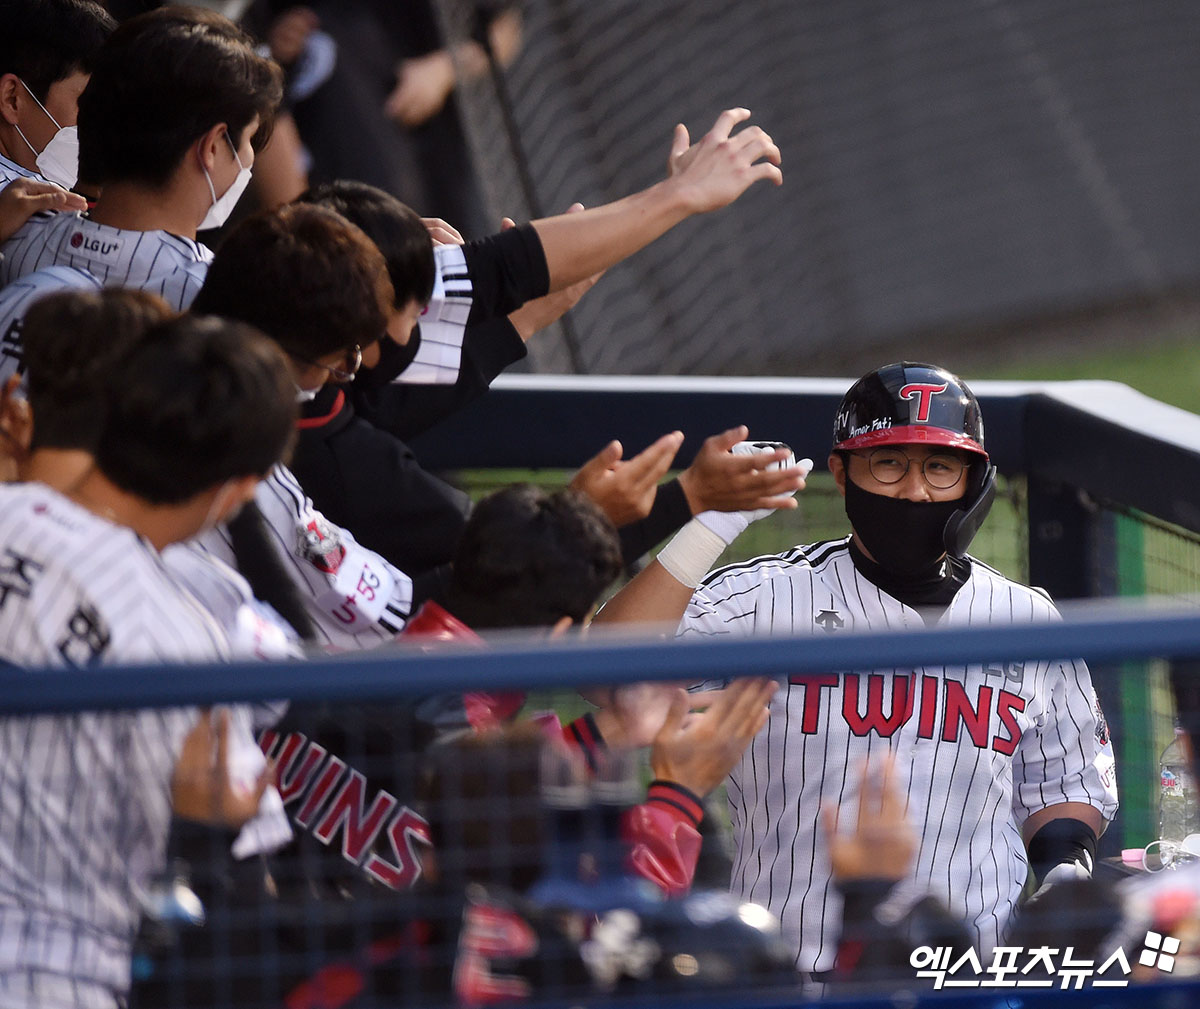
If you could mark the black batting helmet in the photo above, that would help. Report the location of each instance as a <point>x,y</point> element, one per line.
<point>909,403</point>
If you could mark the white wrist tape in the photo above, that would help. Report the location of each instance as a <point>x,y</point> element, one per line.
<point>728,525</point>
<point>691,553</point>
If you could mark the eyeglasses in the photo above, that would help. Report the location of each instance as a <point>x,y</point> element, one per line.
<point>942,470</point>
<point>353,359</point>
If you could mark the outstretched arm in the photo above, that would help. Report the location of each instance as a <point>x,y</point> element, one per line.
<point>692,754</point>
<point>662,589</point>
<point>704,176</point>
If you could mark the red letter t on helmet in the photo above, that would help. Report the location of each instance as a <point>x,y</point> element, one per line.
<point>926,393</point>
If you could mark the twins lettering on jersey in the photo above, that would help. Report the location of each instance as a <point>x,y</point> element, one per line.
<point>945,709</point>
<point>332,799</point>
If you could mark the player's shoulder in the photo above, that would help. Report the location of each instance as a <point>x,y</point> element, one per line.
<point>207,577</point>
<point>10,171</point>
<point>16,299</point>
<point>252,628</point>
<point>798,562</point>
<point>70,578</point>
<point>33,285</point>
<point>1037,599</point>
<point>43,228</point>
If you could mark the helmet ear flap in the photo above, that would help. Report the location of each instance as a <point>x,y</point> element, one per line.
<point>965,522</point>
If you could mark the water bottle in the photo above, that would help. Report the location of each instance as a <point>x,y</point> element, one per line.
<point>1177,807</point>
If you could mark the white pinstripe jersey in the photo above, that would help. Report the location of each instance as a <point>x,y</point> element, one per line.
<point>352,608</point>
<point>355,598</point>
<point>168,265</point>
<point>443,322</point>
<point>19,295</point>
<point>10,171</point>
<point>978,747</point>
<point>175,268</point>
<point>85,798</point>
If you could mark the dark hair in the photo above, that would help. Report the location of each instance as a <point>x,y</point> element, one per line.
<point>199,401</point>
<point>71,341</point>
<point>528,558</point>
<point>161,81</point>
<point>481,793</point>
<point>394,227</point>
<point>303,275</point>
<point>45,41</point>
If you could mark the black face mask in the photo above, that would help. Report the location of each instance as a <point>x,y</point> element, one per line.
<point>393,359</point>
<point>904,537</point>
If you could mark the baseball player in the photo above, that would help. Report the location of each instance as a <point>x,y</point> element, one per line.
<point>168,125</point>
<point>88,797</point>
<point>46,53</point>
<point>1007,768</point>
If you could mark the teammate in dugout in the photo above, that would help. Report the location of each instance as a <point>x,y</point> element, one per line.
<point>46,53</point>
<point>85,585</point>
<point>1009,770</point>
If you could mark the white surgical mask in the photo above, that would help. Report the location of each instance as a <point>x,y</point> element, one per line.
<point>221,208</point>
<point>59,159</point>
<point>214,515</point>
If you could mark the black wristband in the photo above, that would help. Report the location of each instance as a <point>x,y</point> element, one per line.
<point>1062,840</point>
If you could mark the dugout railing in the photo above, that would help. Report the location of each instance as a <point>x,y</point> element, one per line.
<point>1106,634</point>
<point>1097,470</point>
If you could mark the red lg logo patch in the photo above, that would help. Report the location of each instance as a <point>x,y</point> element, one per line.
<point>77,240</point>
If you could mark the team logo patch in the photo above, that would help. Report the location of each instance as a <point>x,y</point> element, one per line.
<point>321,546</point>
<point>104,250</point>
<point>924,393</point>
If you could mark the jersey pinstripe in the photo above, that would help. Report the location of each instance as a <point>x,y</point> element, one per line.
<point>978,747</point>
<point>443,323</point>
<point>174,268</point>
<point>362,603</point>
<point>168,265</point>
<point>355,598</point>
<point>19,295</point>
<point>10,171</point>
<point>84,798</point>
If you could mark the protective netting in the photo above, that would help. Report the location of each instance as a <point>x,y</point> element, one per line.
<point>954,171</point>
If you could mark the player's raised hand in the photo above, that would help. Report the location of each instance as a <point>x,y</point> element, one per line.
<point>721,165</point>
<point>883,843</point>
<point>698,749</point>
<point>625,488</point>
<point>441,232</point>
<point>632,714</point>
<point>719,480</point>
<point>202,788</point>
<point>22,198</point>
